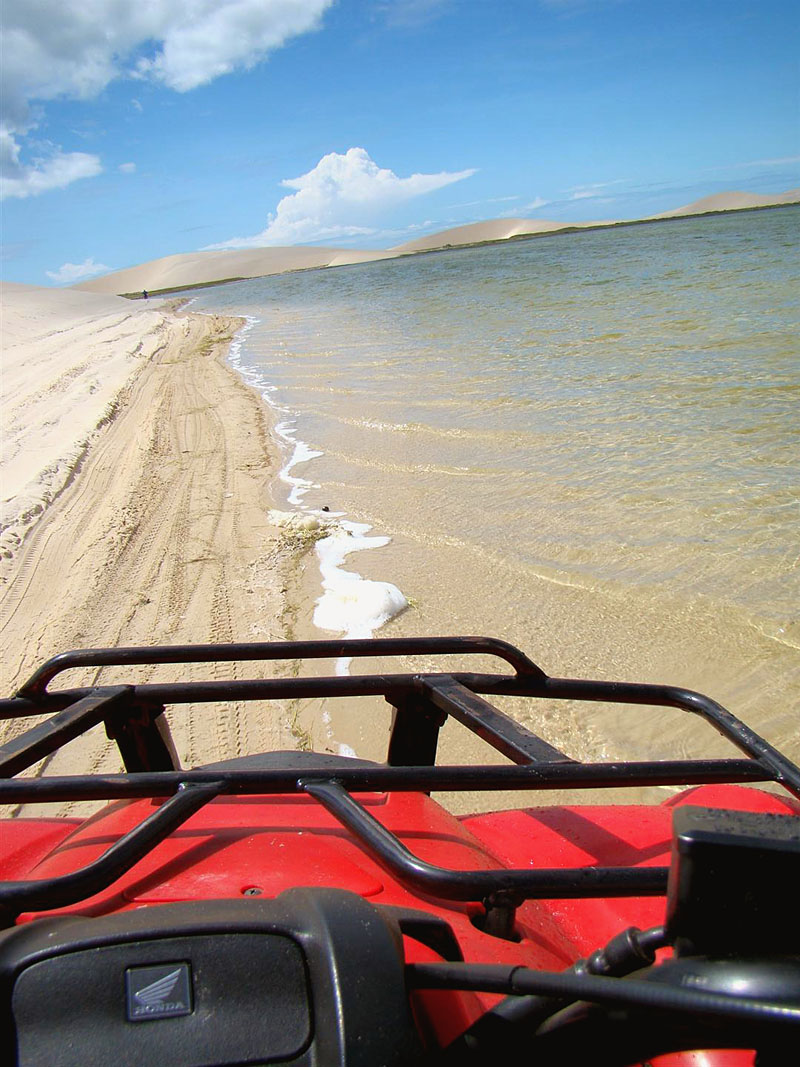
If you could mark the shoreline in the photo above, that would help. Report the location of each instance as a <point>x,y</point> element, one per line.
<point>347,605</point>
<point>162,535</point>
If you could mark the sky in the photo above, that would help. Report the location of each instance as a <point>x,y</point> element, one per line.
<point>135,129</point>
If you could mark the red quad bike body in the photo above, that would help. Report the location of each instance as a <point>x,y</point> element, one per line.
<point>301,908</point>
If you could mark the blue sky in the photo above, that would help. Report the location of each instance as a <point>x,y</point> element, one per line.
<point>134,129</point>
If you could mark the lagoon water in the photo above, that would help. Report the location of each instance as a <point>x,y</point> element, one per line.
<point>587,444</point>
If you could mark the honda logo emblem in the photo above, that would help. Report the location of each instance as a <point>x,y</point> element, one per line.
<point>158,992</point>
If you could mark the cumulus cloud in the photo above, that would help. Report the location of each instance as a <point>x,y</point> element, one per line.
<point>202,39</point>
<point>75,48</point>
<point>341,197</point>
<point>75,272</point>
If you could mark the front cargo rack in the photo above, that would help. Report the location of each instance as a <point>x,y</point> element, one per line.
<point>134,718</point>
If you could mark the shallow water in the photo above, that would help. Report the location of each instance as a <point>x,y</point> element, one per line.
<point>586,444</point>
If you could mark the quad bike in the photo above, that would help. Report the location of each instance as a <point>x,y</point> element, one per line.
<point>300,908</point>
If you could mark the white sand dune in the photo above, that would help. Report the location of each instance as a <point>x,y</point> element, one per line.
<point>346,256</point>
<point>198,268</point>
<point>492,230</point>
<point>731,201</point>
<point>195,268</point>
<point>503,229</point>
<point>39,309</point>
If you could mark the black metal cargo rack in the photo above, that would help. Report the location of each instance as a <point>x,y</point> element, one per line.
<point>134,718</point>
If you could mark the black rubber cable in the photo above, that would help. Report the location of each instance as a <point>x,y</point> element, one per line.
<point>522,981</point>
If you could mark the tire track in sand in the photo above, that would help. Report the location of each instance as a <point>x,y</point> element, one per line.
<point>155,541</point>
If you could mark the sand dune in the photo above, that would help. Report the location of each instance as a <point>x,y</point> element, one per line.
<point>27,307</point>
<point>197,268</point>
<point>493,230</point>
<point>346,256</point>
<point>731,201</point>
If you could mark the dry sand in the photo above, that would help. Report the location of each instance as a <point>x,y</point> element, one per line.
<point>199,268</point>
<point>160,534</point>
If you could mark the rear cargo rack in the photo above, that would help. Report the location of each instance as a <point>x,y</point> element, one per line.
<point>134,718</point>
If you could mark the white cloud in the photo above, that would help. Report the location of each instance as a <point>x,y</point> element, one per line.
<point>74,272</point>
<point>55,171</point>
<point>535,204</point>
<point>594,190</point>
<point>768,162</point>
<point>74,48</point>
<point>127,168</point>
<point>202,39</point>
<point>341,197</point>
<point>480,203</point>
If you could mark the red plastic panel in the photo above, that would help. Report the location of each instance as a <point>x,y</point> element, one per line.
<point>25,842</point>
<point>608,836</point>
<point>737,798</point>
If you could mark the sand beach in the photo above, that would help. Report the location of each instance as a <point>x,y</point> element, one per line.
<point>135,472</point>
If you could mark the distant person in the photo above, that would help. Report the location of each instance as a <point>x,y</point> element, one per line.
<point>144,294</point>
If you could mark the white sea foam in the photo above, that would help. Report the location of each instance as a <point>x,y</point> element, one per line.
<point>352,605</point>
<point>298,520</point>
<point>349,605</point>
<point>299,486</point>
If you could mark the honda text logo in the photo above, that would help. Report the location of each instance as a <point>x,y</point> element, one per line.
<point>158,992</point>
